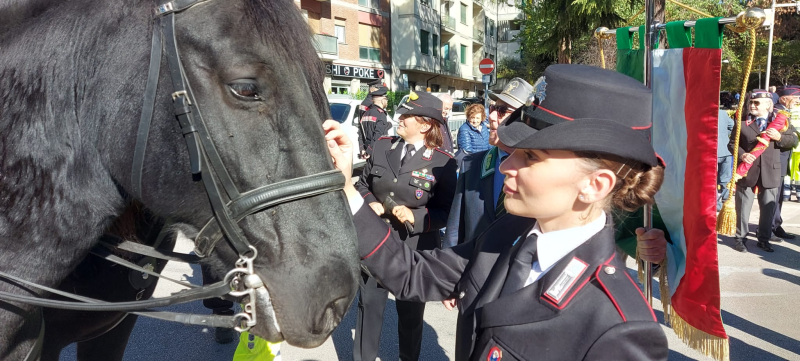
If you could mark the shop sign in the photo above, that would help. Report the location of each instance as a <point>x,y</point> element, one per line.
<point>353,71</point>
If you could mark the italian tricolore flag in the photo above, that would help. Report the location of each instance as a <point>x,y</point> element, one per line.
<point>685,136</point>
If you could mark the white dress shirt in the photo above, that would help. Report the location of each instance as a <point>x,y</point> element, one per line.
<point>417,145</point>
<point>553,246</point>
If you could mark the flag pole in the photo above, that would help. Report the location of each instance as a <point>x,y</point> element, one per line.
<point>649,40</point>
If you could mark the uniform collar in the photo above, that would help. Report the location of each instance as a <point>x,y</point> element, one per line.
<point>417,145</point>
<point>553,246</point>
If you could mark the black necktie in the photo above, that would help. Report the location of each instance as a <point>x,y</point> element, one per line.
<point>520,269</point>
<point>410,150</point>
<point>500,207</point>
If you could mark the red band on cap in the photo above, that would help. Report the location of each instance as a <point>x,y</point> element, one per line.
<point>554,113</point>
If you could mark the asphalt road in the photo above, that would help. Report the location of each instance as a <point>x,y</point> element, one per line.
<point>760,293</point>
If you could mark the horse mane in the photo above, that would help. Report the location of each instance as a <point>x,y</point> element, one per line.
<point>267,15</point>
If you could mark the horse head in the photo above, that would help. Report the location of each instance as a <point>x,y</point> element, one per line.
<point>253,74</point>
<point>256,79</point>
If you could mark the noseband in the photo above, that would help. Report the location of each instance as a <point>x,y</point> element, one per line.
<point>206,165</point>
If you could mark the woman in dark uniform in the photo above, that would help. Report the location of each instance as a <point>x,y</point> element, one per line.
<point>544,282</point>
<point>409,182</point>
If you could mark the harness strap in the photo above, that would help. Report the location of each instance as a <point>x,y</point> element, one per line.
<point>143,250</point>
<point>35,353</point>
<point>191,319</point>
<point>180,297</point>
<point>106,254</point>
<point>147,111</point>
<point>267,197</point>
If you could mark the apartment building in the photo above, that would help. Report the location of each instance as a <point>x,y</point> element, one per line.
<point>410,44</point>
<point>352,38</point>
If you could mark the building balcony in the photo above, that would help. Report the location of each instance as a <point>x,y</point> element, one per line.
<point>450,67</point>
<point>327,46</point>
<point>449,23</point>
<point>477,36</point>
<point>480,3</point>
<point>508,35</point>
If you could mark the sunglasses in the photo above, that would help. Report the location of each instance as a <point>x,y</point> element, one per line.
<point>757,103</point>
<point>501,109</point>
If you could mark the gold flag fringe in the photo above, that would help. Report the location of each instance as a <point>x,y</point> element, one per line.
<point>726,220</point>
<point>663,286</point>
<point>715,347</point>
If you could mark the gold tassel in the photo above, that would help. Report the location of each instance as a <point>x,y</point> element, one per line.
<point>663,289</point>
<point>710,345</point>
<point>726,219</point>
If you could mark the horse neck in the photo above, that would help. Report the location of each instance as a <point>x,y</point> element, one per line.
<point>67,82</point>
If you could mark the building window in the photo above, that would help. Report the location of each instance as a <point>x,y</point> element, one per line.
<point>423,41</point>
<point>369,42</point>
<point>367,53</point>
<point>514,25</point>
<point>435,45</point>
<point>369,3</point>
<point>463,54</point>
<point>340,34</point>
<point>463,13</point>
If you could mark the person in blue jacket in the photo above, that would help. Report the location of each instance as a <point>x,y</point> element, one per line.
<point>473,135</point>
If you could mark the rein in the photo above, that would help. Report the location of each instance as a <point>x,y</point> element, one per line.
<point>206,165</point>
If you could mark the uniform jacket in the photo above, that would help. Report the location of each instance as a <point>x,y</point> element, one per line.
<point>473,204</point>
<point>425,185</point>
<point>767,166</point>
<point>601,316</point>
<point>374,125</point>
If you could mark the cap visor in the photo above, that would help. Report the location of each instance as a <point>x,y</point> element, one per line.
<point>513,134</point>
<point>506,99</point>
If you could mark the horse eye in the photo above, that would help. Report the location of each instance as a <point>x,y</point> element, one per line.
<point>245,89</point>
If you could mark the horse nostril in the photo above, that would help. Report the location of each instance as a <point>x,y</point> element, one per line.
<point>331,316</point>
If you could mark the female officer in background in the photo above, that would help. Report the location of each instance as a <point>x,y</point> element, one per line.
<point>544,282</point>
<point>409,182</point>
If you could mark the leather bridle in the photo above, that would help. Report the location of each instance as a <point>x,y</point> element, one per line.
<point>206,165</point>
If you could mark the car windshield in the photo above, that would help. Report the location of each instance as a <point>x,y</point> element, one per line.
<point>458,107</point>
<point>339,112</point>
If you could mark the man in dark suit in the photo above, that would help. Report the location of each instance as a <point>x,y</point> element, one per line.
<point>786,98</point>
<point>480,184</point>
<point>766,172</point>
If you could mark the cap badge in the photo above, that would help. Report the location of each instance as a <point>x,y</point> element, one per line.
<point>413,96</point>
<point>539,89</point>
<point>511,86</point>
<point>418,193</point>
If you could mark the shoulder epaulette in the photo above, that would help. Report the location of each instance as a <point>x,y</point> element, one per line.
<point>445,153</point>
<point>623,292</point>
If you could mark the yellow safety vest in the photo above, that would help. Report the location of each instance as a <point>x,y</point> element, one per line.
<point>254,348</point>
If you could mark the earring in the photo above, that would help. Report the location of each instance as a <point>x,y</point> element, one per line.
<point>581,197</point>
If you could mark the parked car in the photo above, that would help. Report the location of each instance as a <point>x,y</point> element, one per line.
<point>343,110</point>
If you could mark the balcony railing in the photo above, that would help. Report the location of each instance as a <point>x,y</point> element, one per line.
<point>449,22</point>
<point>477,35</point>
<point>449,67</point>
<point>326,44</point>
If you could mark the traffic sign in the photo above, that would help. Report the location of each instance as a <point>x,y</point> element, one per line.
<point>486,66</point>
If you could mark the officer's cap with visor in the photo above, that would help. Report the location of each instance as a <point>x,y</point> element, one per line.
<point>381,91</point>
<point>583,108</point>
<point>423,104</point>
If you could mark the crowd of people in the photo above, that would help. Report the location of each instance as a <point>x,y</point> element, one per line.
<point>522,215</point>
<point>767,144</point>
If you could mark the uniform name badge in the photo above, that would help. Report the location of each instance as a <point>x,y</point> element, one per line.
<point>418,193</point>
<point>566,280</point>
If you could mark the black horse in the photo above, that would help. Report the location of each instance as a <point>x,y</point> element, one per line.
<point>72,75</point>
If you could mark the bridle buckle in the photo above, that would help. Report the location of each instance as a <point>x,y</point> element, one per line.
<point>181,93</point>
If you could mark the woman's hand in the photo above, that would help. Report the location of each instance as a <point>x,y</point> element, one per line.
<point>403,214</point>
<point>449,304</point>
<point>378,208</point>
<point>341,151</point>
<point>651,245</point>
<point>773,134</point>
